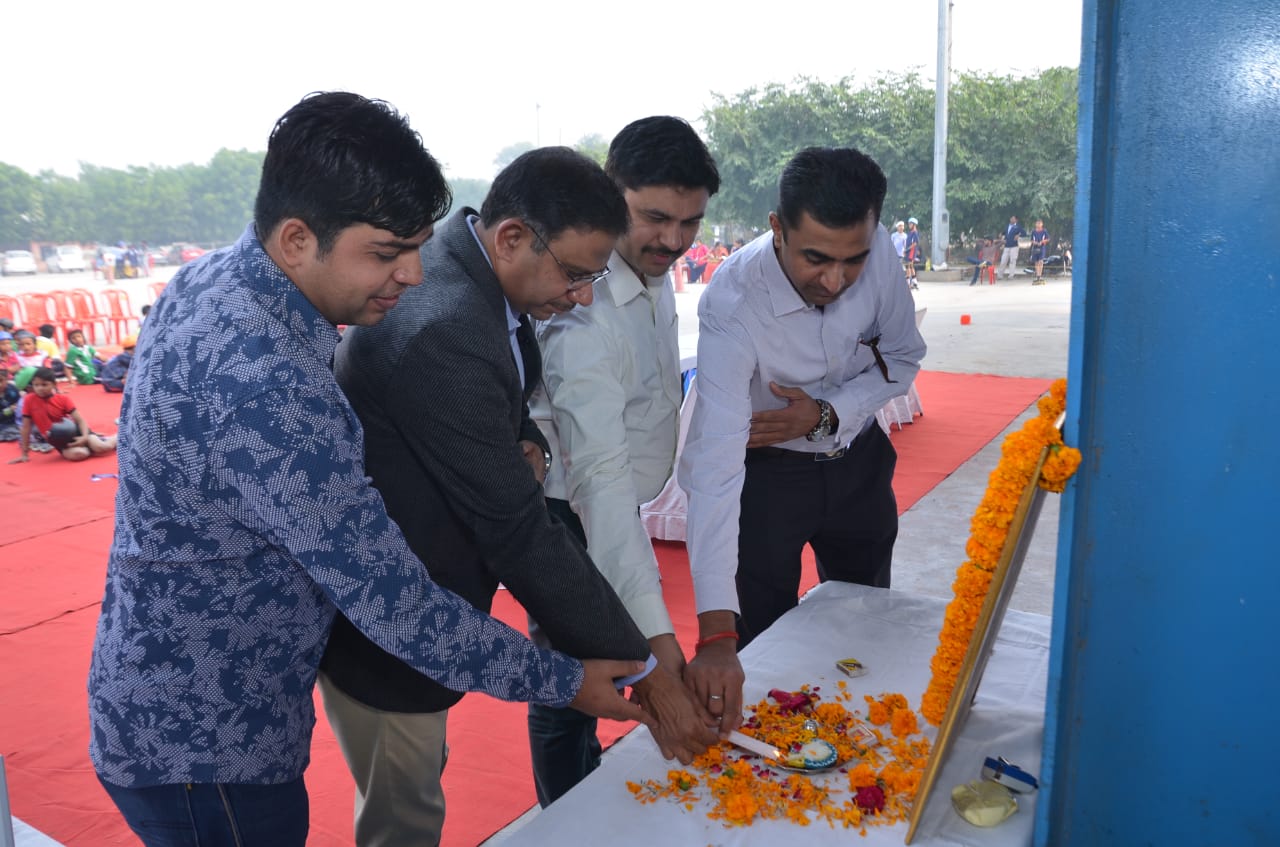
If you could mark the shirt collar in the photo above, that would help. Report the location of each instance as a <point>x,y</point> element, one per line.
<point>623,284</point>
<point>513,320</point>
<point>782,294</point>
<point>280,295</point>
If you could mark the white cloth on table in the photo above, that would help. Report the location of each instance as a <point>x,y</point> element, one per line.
<point>894,634</point>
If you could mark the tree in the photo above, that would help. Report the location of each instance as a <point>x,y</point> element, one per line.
<point>18,207</point>
<point>511,152</point>
<point>1011,145</point>
<point>594,147</point>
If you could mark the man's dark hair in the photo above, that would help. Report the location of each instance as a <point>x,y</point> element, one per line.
<point>837,186</point>
<point>45,375</point>
<point>661,150</point>
<point>337,159</point>
<point>47,330</point>
<point>554,189</point>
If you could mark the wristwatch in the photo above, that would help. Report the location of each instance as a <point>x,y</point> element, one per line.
<point>823,429</point>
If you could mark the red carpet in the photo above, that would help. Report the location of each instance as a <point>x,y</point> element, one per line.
<point>53,541</point>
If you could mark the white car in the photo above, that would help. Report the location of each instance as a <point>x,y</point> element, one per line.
<point>19,262</point>
<point>65,259</point>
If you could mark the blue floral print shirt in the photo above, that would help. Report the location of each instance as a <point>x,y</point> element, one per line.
<point>244,520</point>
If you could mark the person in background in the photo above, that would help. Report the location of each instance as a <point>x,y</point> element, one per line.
<point>143,312</point>
<point>1009,258</point>
<point>115,372</point>
<point>45,341</point>
<point>911,252</point>
<point>609,405</point>
<point>899,239</point>
<point>10,396</point>
<point>8,357</point>
<point>1039,250</point>
<point>28,350</point>
<point>696,259</point>
<point>984,259</point>
<point>243,492</point>
<point>55,417</point>
<point>803,335</point>
<point>82,358</point>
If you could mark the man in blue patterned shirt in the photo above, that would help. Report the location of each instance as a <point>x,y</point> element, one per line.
<point>244,518</point>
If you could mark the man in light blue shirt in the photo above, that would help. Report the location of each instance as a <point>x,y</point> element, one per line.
<point>803,335</point>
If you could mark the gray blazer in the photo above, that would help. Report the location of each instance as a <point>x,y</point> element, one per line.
<point>437,391</point>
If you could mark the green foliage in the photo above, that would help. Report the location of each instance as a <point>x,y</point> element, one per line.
<point>208,204</point>
<point>594,146</point>
<point>19,207</point>
<point>511,152</point>
<point>1011,145</point>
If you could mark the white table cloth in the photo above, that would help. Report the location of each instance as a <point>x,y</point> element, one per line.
<point>894,634</point>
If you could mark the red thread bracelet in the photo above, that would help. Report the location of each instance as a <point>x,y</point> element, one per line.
<point>703,642</point>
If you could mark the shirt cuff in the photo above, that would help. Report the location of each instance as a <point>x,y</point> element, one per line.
<point>649,664</point>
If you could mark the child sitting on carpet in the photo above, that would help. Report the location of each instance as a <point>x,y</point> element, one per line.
<point>115,372</point>
<point>82,359</point>
<point>29,353</point>
<point>8,358</point>
<point>55,416</point>
<point>9,399</point>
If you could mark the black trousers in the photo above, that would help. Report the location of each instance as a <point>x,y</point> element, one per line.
<point>844,508</point>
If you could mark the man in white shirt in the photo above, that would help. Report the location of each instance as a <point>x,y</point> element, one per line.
<point>610,408</point>
<point>803,335</point>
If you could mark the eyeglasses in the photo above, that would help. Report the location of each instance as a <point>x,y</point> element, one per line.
<point>577,279</point>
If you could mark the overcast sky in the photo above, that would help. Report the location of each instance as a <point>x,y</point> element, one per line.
<point>137,82</point>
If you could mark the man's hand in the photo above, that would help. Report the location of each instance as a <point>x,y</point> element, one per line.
<point>796,419</point>
<point>599,697</point>
<point>23,458</point>
<point>715,677</point>
<point>682,729</point>
<point>533,455</point>
<point>79,441</point>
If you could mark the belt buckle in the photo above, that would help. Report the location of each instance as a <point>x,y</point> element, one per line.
<point>829,455</point>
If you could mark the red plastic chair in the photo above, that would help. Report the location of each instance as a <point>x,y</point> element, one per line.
<point>157,288</point>
<point>119,312</point>
<point>10,308</point>
<point>48,308</point>
<point>89,317</point>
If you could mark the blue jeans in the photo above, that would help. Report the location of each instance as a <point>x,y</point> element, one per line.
<point>221,815</point>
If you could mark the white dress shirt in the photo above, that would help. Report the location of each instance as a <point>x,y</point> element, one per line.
<point>610,407</point>
<point>754,328</point>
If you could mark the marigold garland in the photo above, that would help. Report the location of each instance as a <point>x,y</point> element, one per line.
<point>880,780</point>
<point>988,532</point>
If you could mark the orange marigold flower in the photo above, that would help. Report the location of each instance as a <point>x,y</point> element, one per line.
<point>904,723</point>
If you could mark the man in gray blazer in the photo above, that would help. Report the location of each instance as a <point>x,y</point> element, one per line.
<point>441,388</point>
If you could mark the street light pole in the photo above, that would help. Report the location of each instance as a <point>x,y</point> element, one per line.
<point>941,236</point>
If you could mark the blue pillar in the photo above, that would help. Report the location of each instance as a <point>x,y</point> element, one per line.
<point>1164,705</point>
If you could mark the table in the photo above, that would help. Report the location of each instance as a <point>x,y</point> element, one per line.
<point>894,634</point>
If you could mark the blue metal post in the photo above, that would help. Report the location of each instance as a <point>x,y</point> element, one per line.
<point>1162,724</point>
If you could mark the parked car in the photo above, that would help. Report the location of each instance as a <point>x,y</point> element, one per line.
<point>190,252</point>
<point>65,259</point>
<point>19,262</point>
<point>159,255</point>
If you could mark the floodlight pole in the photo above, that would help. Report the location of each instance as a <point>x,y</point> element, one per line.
<point>941,236</point>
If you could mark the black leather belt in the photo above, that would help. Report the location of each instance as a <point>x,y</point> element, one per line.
<point>795,455</point>
<point>804,455</point>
